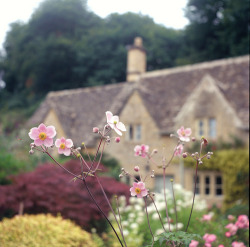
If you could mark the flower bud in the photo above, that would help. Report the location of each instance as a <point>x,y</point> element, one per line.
<point>200,162</point>
<point>95,130</point>
<point>208,156</point>
<point>155,151</point>
<point>79,149</point>
<point>171,180</point>
<point>78,155</point>
<point>83,144</point>
<point>32,145</point>
<point>31,152</point>
<point>120,176</point>
<point>136,168</point>
<point>117,139</point>
<point>123,169</point>
<point>152,176</point>
<point>184,155</point>
<point>193,139</point>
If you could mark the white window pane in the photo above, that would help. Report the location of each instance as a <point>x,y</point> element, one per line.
<point>138,132</point>
<point>212,127</point>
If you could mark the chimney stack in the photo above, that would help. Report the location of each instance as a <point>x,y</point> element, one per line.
<point>136,61</point>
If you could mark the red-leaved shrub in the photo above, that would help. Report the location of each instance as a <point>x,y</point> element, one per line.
<point>49,189</point>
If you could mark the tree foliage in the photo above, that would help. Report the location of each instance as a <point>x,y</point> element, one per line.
<point>217,29</point>
<point>49,189</point>
<point>64,45</point>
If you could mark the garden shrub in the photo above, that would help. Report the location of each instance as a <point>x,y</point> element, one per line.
<point>49,189</point>
<point>42,230</point>
<point>234,166</point>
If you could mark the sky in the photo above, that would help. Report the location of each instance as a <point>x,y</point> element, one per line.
<point>166,12</point>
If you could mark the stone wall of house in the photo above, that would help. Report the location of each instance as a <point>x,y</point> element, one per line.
<point>135,113</point>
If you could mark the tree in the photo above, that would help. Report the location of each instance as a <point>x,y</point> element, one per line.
<point>217,29</point>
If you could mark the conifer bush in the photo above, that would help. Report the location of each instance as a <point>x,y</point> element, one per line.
<point>42,230</point>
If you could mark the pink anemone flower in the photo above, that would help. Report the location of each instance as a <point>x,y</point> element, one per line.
<point>114,123</point>
<point>242,221</point>
<point>207,217</point>
<point>209,238</point>
<point>184,134</point>
<point>141,150</point>
<point>194,243</point>
<point>64,146</point>
<point>238,244</point>
<point>233,228</point>
<point>43,135</point>
<point>139,190</point>
<point>178,150</point>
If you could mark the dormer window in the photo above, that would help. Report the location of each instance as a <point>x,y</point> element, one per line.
<point>201,127</point>
<point>206,127</point>
<point>134,132</point>
<point>212,128</point>
<point>138,132</point>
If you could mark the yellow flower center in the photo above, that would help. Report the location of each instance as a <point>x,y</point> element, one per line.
<point>183,133</point>
<point>62,146</point>
<point>42,136</point>
<point>115,122</point>
<point>137,191</point>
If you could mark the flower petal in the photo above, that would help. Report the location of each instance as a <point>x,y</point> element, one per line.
<point>67,151</point>
<point>69,143</point>
<point>118,131</point>
<point>34,133</point>
<point>109,115</point>
<point>48,142</point>
<point>42,128</point>
<point>51,131</point>
<point>38,142</point>
<point>60,151</point>
<point>121,126</point>
<point>188,131</point>
<point>57,143</point>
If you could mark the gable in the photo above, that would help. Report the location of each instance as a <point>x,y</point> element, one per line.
<point>207,102</point>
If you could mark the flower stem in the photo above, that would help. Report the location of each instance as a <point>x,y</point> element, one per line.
<point>92,197</point>
<point>111,209</point>
<point>165,197</point>
<point>197,163</point>
<point>157,212</point>
<point>174,206</point>
<point>145,200</point>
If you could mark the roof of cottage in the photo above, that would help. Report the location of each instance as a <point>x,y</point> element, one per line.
<point>164,92</point>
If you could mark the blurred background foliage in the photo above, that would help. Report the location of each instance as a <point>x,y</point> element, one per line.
<point>44,230</point>
<point>64,45</point>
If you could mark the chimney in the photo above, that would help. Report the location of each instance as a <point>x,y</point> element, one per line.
<point>136,61</point>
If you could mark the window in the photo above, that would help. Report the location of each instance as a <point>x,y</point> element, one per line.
<point>218,186</point>
<point>207,185</point>
<point>197,190</point>
<point>133,132</point>
<point>201,128</point>
<point>137,178</point>
<point>138,132</point>
<point>130,132</point>
<point>212,127</point>
<point>159,183</point>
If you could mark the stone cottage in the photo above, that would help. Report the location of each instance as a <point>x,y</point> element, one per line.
<point>212,98</point>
